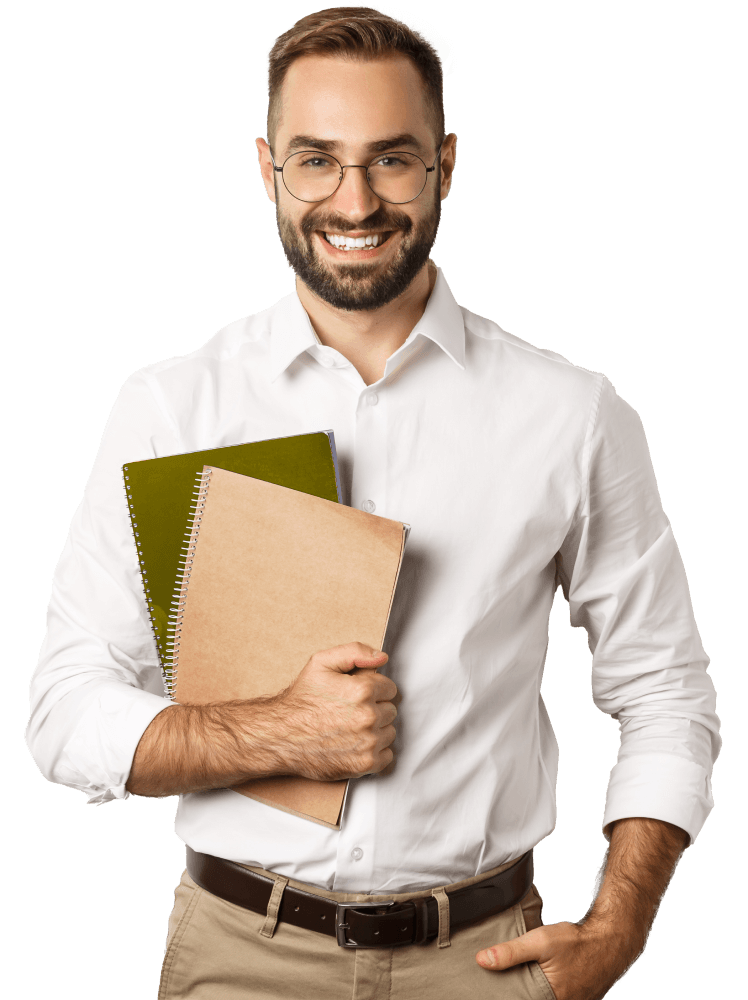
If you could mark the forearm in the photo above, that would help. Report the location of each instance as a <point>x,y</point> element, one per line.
<point>583,960</point>
<point>333,722</point>
<point>195,748</point>
<point>641,859</point>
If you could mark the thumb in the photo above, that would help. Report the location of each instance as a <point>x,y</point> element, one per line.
<point>526,948</point>
<point>344,659</point>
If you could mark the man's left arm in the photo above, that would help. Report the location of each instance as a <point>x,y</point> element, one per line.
<point>623,577</point>
<point>583,960</point>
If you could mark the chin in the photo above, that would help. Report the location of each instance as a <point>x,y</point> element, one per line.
<point>359,285</point>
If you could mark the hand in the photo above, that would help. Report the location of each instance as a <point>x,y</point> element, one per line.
<point>580,961</point>
<point>338,714</point>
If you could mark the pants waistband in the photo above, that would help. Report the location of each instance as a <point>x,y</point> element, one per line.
<point>399,897</point>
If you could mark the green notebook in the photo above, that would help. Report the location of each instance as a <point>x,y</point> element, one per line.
<point>161,494</point>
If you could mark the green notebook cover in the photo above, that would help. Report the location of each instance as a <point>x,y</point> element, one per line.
<point>161,494</point>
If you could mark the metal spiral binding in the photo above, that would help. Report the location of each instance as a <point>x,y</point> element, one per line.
<point>144,580</point>
<point>174,629</point>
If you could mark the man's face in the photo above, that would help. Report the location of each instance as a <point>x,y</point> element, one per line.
<point>350,106</point>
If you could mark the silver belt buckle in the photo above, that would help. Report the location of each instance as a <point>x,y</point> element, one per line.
<point>340,921</point>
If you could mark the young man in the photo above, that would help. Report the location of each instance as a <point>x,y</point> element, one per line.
<point>517,471</point>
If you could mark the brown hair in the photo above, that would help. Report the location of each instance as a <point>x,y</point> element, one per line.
<point>357,32</point>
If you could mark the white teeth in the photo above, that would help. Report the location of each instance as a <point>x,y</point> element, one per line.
<point>349,243</point>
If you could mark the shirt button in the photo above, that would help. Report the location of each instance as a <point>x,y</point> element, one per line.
<point>369,506</point>
<point>357,854</point>
<point>372,399</point>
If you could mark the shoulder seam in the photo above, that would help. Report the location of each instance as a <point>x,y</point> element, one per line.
<point>511,340</point>
<point>589,433</point>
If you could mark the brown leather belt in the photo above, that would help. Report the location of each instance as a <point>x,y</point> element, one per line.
<point>380,924</point>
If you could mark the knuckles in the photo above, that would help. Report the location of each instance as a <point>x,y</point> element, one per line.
<point>363,687</point>
<point>367,717</point>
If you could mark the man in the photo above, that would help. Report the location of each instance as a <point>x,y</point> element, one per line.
<point>517,471</point>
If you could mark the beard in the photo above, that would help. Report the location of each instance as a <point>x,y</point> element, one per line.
<point>361,285</point>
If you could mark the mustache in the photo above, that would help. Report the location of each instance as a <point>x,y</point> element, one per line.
<point>382,220</point>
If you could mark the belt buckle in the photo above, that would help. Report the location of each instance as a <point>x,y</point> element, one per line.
<point>340,920</point>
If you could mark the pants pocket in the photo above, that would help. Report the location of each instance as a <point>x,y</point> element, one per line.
<point>185,899</point>
<point>541,980</point>
<point>530,917</point>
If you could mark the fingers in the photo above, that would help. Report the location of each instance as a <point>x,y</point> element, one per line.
<point>385,736</point>
<point>383,688</point>
<point>342,699</point>
<point>386,714</point>
<point>360,662</point>
<point>384,759</point>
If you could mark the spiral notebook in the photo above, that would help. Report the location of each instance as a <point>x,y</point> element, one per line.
<point>273,575</point>
<point>160,494</point>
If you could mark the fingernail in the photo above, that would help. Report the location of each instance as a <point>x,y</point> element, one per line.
<point>487,958</point>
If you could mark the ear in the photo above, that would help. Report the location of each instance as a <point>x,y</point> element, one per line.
<point>448,159</point>
<point>266,167</point>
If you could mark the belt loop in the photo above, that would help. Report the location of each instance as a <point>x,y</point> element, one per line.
<point>442,900</point>
<point>274,902</point>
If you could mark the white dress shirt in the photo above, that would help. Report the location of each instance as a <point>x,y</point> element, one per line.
<point>516,471</point>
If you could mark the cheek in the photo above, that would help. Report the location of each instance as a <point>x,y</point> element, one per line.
<point>289,222</point>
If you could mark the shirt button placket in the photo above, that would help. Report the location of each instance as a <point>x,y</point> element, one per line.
<point>369,491</point>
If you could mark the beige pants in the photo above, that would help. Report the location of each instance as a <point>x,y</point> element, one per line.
<point>218,950</point>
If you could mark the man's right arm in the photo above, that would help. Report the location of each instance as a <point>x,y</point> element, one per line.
<point>333,722</point>
<point>97,685</point>
<point>99,721</point>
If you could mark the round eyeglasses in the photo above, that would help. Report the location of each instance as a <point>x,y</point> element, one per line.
<point>396,177</point>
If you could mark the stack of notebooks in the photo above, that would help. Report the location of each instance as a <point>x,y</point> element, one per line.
<point>250,564</point>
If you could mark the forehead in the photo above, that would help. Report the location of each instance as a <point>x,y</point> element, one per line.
<point>351,100</point>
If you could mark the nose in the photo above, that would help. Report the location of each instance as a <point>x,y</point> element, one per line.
<point>354,198</point>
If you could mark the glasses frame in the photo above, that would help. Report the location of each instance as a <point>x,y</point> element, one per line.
<point>360,166</point>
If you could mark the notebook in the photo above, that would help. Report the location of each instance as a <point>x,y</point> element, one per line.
<point>160,493</point>
<point>273,575</point>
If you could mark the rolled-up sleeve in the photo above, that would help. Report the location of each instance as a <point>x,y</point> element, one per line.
<point>98,685</point>
<point>624,579</point>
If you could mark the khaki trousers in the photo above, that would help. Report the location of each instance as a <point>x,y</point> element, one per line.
<point>218,950</point>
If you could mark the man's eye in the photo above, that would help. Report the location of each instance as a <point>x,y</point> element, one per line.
<point>316,162</point>
<point>389,161</point>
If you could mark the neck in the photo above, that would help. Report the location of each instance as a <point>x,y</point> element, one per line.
<point>368,337</point>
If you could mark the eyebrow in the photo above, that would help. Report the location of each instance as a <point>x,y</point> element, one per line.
<point>298,142</point>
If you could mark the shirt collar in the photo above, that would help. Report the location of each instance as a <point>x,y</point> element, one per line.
<point>291,332</point>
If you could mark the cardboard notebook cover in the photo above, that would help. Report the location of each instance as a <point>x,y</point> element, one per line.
<point>160,494</point>
<point>272,576</point>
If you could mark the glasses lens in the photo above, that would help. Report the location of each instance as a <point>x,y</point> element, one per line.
<point>397,177</point>
<point>311,176</point>
<point>394,177</point>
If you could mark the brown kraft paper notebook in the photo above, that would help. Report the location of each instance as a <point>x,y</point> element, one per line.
<point>271,576</point>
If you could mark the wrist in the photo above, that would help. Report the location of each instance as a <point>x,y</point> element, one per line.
<point>617,929</point>
<point>262,731</point>
<point>621,908</point>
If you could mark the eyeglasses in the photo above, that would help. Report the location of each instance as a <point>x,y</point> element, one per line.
<point>396,177</point>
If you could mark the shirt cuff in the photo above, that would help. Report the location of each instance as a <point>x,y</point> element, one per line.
<point>98,757</point>
<point>659,786</point>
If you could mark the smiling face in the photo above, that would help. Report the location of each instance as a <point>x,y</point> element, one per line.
<point>356,111</point>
